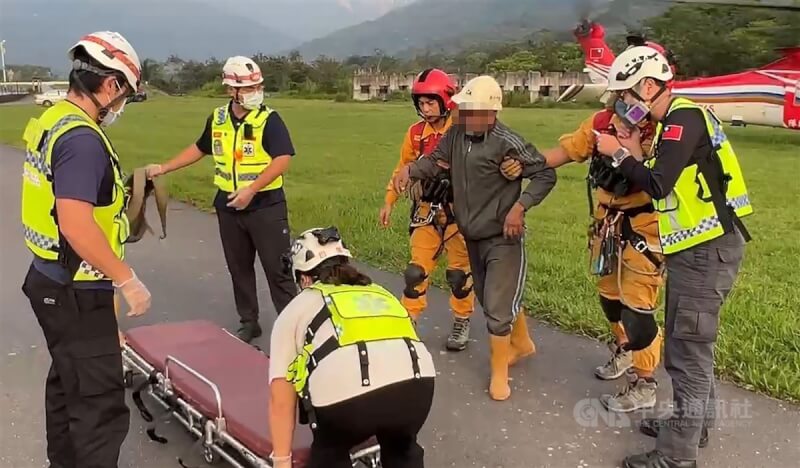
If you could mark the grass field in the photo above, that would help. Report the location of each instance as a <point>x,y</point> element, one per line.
<point>346,153</point>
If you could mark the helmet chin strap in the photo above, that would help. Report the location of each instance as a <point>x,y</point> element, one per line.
<point>102,110</point>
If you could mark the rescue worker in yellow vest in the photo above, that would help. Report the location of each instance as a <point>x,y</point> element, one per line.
<point>346,349</point>
<point>698,190</point>
<point>252,148</point>
<point>74,223</point>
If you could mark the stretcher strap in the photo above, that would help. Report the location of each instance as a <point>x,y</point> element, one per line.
<point>194,447</point>
<point>151,428</point>
<point>137,396</point>
<point>152,379</point>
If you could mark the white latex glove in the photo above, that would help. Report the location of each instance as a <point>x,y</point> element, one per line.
<point>136,295</point>
<point>153,170</point>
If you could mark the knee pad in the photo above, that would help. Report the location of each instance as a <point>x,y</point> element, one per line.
<point>457,279</point>
<point>642,329</point>
<point>414,276</point>
<point>612,309</point>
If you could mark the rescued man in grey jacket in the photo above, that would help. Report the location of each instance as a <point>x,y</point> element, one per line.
<point>490,213</point>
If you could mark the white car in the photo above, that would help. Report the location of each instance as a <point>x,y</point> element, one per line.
<point>50,97</point>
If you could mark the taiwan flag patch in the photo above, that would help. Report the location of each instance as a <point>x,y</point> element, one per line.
<point>672,132</point>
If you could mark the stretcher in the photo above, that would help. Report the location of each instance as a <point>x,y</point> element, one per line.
<point>216,386</point>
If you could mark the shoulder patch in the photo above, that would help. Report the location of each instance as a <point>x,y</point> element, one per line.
<point>672,132</point>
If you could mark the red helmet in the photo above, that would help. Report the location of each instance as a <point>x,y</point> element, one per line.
<point>436,84</point>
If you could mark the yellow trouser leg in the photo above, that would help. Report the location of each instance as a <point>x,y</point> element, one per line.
<point>425,242</point>
<point>646,360</point>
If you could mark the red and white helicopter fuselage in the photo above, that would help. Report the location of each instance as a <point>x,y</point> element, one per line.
<point>768,96</point>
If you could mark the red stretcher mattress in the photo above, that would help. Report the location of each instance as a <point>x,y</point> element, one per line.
<point>240,371</point>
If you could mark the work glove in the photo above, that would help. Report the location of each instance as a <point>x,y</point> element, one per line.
<point>510,168</point>
<point>415,190</point>
<point>136,295</point>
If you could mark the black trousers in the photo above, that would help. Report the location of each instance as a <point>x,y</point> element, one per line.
<point>393,414</point>
<point>85,412</point>
<point>266,232</point>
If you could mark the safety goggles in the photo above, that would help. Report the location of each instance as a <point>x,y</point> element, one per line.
<point>329,234</point>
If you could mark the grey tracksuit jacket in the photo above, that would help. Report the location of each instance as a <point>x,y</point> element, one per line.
<point>482,197</point>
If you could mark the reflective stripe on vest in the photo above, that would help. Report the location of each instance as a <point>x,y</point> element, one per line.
<point>239,161</point>
<point>359,314</point>
<point>38,200</point>
<point>687,215</point>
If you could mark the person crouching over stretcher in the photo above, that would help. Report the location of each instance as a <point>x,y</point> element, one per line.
<point>347,351</point>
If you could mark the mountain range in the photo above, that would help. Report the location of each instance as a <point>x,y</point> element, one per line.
<point>40,31</point>
<point>449,25</point>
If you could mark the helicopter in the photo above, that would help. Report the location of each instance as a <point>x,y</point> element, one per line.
<point>765,96</point>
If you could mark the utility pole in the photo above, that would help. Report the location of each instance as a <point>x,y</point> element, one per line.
<point>3,58</point>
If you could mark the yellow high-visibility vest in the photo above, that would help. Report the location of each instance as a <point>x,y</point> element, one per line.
<point>40,229</point>
<point>359,314</point>
<point>688,215</point>
<point>239,155</point>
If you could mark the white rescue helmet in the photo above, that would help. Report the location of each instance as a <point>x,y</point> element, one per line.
<point>112,51</point>
<point>240,71</point>
<point>635,64</point>
<point>480,93</point>
<point>313,247</point>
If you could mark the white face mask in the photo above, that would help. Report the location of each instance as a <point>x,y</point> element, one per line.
<point>252,100</point>
<point>112,116</point>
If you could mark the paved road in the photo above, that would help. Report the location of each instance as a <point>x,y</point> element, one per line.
<point>547,423</point>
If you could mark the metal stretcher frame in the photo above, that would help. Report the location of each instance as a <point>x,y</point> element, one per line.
<point>211,429</point>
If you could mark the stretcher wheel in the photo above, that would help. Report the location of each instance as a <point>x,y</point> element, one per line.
<point>210,456</point>
<point>127,379</point>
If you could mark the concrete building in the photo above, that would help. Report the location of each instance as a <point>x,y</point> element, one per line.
<point>368,84</point>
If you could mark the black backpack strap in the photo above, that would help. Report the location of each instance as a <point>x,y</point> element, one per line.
<point>717,180</point>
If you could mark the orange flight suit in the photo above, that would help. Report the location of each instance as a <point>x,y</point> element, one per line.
<point>636,280</point>
<point>438,235</point>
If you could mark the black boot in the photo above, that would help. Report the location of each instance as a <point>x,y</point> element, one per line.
<point>248,331</point>
<point>650,426</point>
<point>656,459</point>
